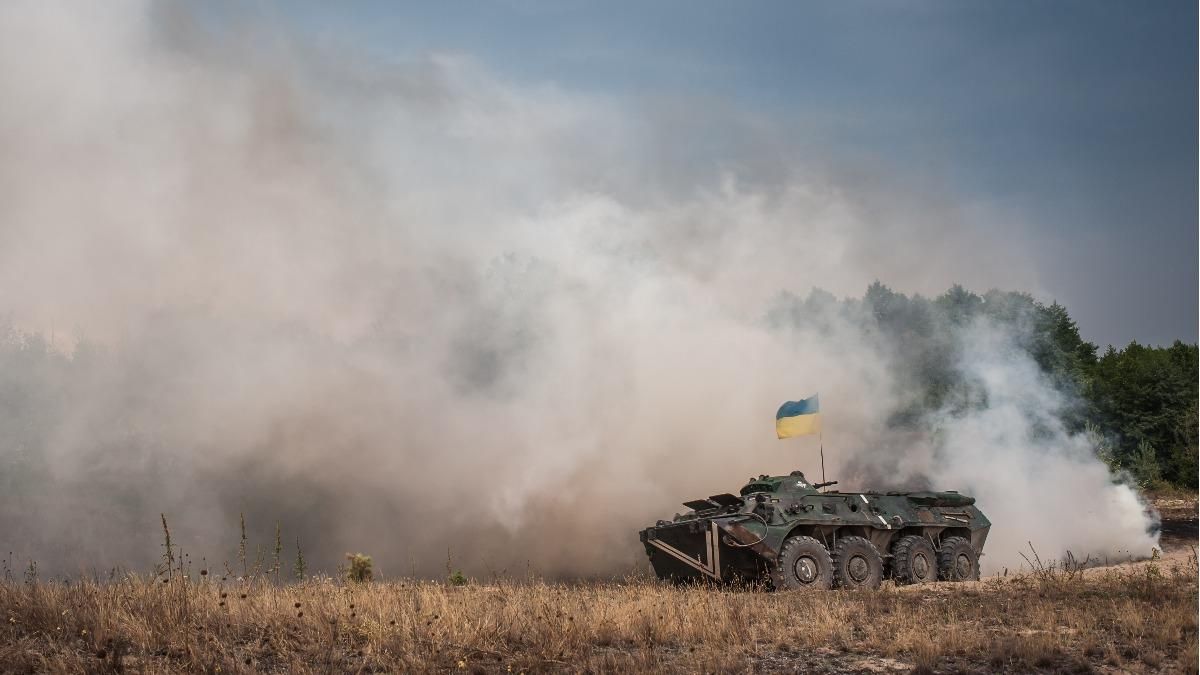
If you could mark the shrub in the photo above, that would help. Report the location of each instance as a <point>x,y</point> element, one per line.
<point>360,568</point>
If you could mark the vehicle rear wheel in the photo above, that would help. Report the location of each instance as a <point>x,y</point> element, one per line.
<point>957,561</point>
<point>914,560</point>
<point>856,564</point>
<point>804,564</point>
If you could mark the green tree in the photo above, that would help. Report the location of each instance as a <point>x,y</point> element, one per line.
<point>1148,395</point>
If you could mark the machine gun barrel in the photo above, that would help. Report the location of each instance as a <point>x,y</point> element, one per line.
<point>824,485</point>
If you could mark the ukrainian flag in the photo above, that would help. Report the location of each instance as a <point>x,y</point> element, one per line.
<point>799,418</point>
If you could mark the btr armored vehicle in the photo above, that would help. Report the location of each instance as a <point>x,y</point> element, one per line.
<point>787,532</point>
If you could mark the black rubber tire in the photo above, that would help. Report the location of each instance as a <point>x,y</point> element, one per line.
<point>957,560</point>
<point>856,564</point>
<point>804,564</point>
<point>914,561</point>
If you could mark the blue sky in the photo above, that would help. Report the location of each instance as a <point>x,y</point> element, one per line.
<point>1078,119</point>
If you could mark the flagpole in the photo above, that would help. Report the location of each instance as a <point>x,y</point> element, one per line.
<point>821,437</point>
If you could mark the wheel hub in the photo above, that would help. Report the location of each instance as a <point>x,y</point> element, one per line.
<point>962,566</point>
<point>806,570</point>
<point>858,568</point>
<point>920,567</point>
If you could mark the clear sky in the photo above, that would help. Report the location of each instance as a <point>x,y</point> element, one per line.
<point>1078,119</point>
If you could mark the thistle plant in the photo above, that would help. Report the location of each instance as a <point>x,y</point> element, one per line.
<point>169,553</point>
<point>300,567</point>
<point>242,545</point>
<point>276,561</point>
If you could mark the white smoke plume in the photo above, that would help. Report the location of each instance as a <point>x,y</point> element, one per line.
<point>406,307</point>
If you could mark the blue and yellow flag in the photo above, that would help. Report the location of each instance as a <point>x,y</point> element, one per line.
<point>799,418</point>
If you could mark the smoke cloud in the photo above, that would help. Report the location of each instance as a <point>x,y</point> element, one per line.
<point>412,307</point>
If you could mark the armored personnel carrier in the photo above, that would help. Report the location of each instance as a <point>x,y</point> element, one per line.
<point>787,532</point>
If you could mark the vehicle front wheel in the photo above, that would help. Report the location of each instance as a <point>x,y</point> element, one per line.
<point>804,564</point>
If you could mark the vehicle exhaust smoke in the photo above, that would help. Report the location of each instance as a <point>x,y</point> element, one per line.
<point>414,309</point>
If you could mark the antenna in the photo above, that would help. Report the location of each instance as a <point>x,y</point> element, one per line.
<point>821,436</point>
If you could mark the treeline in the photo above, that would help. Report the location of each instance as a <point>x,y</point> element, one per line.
<point>1144,399</point>
<point>1139,403</point>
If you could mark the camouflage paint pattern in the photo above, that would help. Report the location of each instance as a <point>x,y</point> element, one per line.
<point>739,537</point>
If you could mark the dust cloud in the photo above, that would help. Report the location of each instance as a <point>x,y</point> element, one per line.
<point>412,308</point>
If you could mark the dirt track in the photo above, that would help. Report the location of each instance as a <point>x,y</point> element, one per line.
<point>1178,540</point>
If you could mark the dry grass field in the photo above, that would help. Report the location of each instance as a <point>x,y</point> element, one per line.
<point>1131,618</point>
